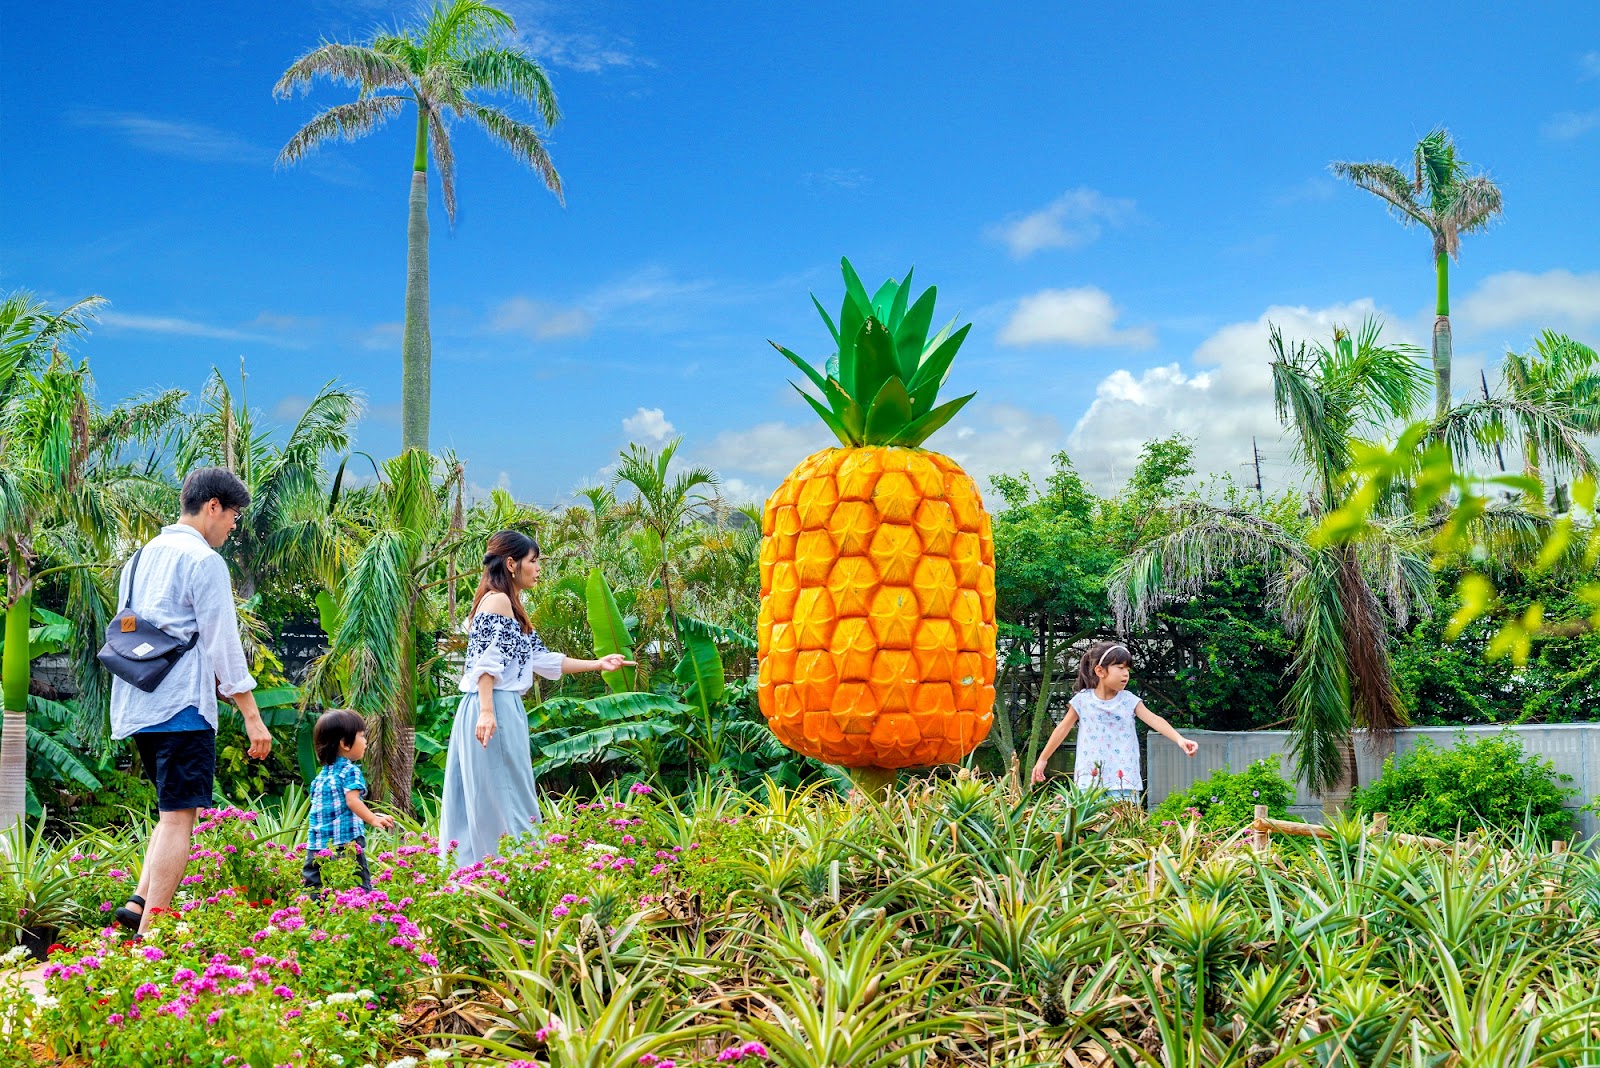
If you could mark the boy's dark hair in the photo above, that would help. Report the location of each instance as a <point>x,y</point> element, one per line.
<point>1101,654</point>
<point>333,727</point>
<point>208,482</point>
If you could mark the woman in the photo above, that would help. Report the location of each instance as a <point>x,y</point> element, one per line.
<point>488,775</point>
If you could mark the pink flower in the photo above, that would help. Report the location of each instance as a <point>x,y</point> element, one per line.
<point>559,911</point>
<point>212,1018</point>
<point>640,789</point>
<point>152,953</point>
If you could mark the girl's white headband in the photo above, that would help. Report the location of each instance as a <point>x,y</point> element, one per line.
<point>1108,652</point>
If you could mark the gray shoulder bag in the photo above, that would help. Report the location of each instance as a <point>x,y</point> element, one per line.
<point>136,650</point>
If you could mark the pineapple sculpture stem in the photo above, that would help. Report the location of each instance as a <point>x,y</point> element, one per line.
<point>877,625</point>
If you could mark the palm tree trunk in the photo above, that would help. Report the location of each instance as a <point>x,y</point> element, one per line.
<point>666,589</point>
<point>14,735</point>
<point>1441,338</point>
<point>1336,797</point>
<point>416,352</point>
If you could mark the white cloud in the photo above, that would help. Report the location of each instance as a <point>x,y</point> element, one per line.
<point>383,336</point>
<point>836,177</point>
<point>991,439</point>
<point>1084,316</point>
<point>590,53</point>
<point>1570,125</point>
<point>1589,64</point>
<point>1221,400</point>
<point>166,324</point>
<point>1554,298</point>
<point>649,424</point>
<point>1072,220</point>
<point>290,407</point>
<point>768,449</point>
<point>176,137</point>
<point>539,321</point>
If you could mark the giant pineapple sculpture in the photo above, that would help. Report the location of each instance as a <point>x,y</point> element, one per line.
<point>877,633</point>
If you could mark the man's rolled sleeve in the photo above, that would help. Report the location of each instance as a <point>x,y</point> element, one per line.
<point>219,627</point>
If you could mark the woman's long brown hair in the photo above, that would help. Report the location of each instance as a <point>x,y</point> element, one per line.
<point>505,546</point>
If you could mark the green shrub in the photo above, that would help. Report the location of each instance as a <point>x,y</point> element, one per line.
<point>1227,800</point>
<point>1487,783</point>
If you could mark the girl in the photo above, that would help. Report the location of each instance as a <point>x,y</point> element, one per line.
<point>1108,748</point>
<point>488,774</point>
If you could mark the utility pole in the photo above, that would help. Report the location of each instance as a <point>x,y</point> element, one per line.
<point>1255,455</point>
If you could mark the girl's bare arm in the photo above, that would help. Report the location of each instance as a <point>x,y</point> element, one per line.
<point>1057,736</point>
<point>1165,729</point>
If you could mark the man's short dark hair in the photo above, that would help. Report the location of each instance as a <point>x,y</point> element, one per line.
<point>333,727</point>
<point>208,482</point>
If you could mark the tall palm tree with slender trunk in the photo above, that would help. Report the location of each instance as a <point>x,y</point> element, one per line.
<point>460,50</point>
<point>1442,198</point>
<point>1331,597</point>
<point>65,496</point>
<point>665,499</point>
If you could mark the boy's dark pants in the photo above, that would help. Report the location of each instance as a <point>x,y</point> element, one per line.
<point>312,872</point>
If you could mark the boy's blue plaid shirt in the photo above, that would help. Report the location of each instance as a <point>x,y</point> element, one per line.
<point>332,822</point>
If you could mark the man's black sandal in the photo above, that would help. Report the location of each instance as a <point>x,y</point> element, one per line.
<point>127,917</point>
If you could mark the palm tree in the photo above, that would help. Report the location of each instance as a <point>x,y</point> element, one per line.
<point>66,495</point>
<point>1456,203</point>
<point>1331,597</point>
<point>288,528</point>
<point>406,534</point>
<point>665,500</point>
<point>459,49</point>
<point>1561,374</point>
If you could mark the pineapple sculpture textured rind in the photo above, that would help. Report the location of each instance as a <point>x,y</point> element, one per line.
<point>877,625</point>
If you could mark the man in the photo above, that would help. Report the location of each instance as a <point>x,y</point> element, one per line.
<point>183,588</point>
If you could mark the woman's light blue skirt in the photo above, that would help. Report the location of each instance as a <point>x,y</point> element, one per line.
<point>488,791</point>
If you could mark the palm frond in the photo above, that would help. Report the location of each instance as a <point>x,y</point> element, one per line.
<point>522,141</point>
<point>367,68</point>
<point>1389,184</point>
<point>349,121</point>
<point>444,155</point>
<point>1205,540</point>
<point>1476,203</point>
<point>513,71</point>
<point>1319,697</point>
<point>462,27</point>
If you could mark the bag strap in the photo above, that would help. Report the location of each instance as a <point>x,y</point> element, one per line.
<point>133,573</point>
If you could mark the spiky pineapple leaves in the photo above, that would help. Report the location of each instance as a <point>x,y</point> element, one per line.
<point>879,388</point>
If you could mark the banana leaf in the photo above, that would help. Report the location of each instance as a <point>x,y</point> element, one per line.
<point>700,670</point>
<point>720,635</point>
<point>599,743</point>
<point>610,633</point>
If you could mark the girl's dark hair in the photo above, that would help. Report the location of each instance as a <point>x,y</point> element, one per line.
<point>212,482</point>
<point>333,727</point>
<point>505,546</point>
<point>1101,654</point>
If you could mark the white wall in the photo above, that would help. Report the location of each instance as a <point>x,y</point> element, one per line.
<point>1574,749</point>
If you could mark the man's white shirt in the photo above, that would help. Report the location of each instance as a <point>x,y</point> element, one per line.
<point>183,587</point>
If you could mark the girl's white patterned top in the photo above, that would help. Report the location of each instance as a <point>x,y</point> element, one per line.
<point>497,647</point>
<point>1108,747</point>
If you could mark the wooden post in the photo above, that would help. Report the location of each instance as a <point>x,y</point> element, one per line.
<point>1380,824</point>
<point>1558,847</point>
<point>1061,845</point>
<point>1261,836</point>
<point>1150,877</point>
<point>833,881</point>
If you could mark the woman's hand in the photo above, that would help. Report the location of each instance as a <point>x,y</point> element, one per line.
<point>485,728</point>
<point>614,662</point>
<point>1188,746</point>
<point>1038,771</point>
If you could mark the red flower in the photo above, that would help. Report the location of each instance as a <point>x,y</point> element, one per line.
<point>54,946</point>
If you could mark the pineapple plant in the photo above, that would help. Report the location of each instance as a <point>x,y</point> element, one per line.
<point>877,624</point>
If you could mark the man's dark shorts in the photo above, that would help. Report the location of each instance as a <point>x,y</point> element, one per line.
<point>182,764</point>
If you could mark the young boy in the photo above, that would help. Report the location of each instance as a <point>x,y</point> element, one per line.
<point>337,808</point>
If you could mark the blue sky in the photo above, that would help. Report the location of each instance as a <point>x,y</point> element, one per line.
<point>1117,196</point>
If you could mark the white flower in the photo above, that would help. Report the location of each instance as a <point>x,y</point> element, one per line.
<point>14,955</point>
<point>395,1017</point>
<point>180,928</point>
<point>438,1055</point>
<point>152,935</point>
<point>403,1062</point>
<point>45,1001</point>
<point>365,995</point>
<point>335,1058</point>
<point>342,997</point>
<point>352,1036</point>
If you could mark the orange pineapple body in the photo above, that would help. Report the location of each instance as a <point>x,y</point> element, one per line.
<point>877,626</point>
